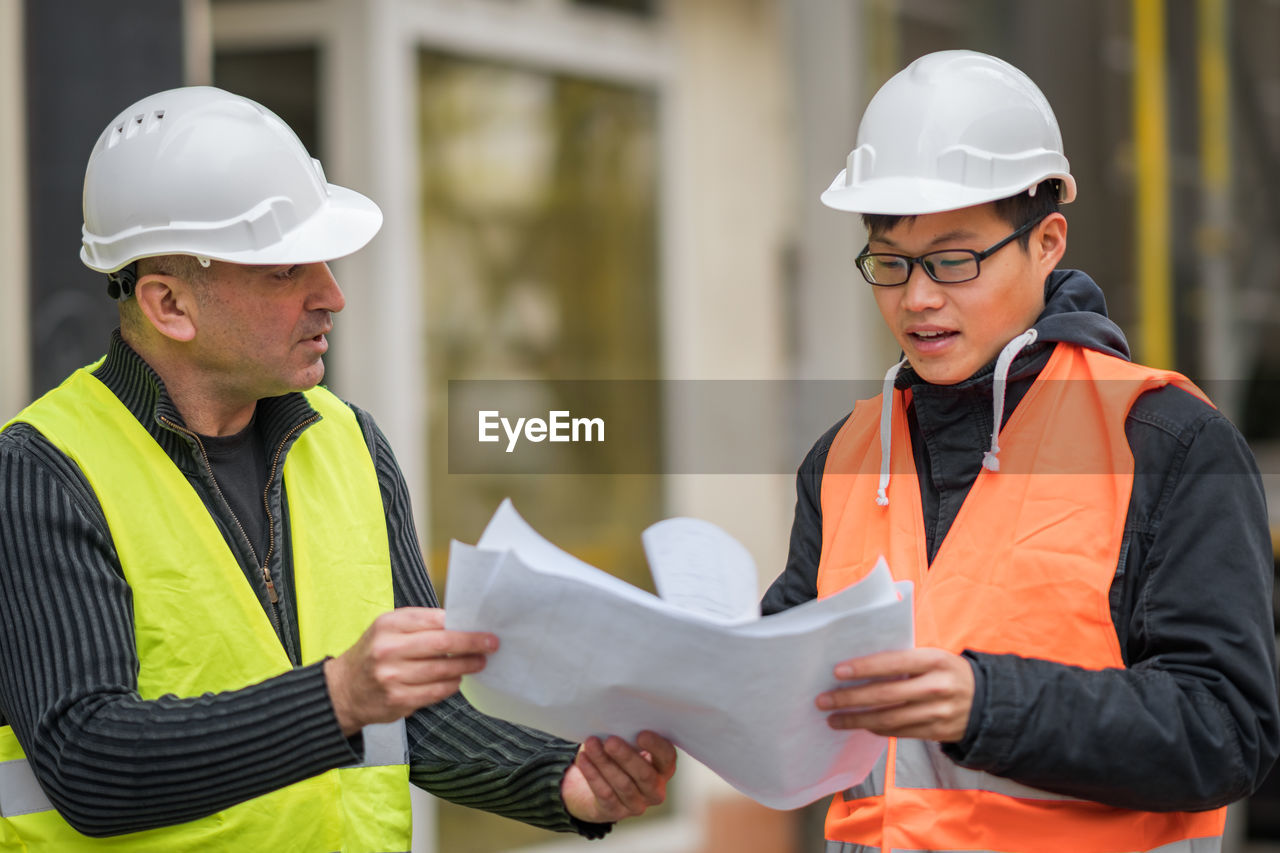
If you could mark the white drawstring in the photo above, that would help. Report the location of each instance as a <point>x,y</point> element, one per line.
<point>886,432</point>
<point>998,383</point>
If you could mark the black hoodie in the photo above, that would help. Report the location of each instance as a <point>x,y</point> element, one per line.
<point>1192,721</point>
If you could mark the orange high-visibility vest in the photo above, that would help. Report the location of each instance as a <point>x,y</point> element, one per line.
<point>1026,568</point>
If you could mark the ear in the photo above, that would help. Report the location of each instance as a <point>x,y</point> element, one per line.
<point>1049,242</point>
<point>169,304</point>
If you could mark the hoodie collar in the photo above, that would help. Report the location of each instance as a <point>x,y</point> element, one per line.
<point>1075,312</point>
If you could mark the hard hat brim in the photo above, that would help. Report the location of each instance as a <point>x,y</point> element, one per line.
<point>344,223</point>
<point>906,196</point>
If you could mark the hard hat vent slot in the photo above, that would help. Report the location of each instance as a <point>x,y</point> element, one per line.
<point>132,130</point>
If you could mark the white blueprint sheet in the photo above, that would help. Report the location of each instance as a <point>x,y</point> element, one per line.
<point>584,653</point>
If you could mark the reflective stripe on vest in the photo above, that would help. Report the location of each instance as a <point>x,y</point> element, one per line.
<point>1191,845</point>
<point>182,573</point>
<point>848,847</point>
<point>921,764</point>
<point>1064,455</point>
<point>873,785</point>
<point>385,744</point>
<point>19,792</point>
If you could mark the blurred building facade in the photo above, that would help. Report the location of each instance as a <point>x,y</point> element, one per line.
<point>627,190</point>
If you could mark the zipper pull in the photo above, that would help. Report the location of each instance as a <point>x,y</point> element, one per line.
<point>271,587</point>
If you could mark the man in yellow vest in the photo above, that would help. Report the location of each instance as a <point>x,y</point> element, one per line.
<point>216,628</point>
<point>1094,667</point>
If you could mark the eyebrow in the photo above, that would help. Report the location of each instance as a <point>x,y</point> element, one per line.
<point>947,237</point>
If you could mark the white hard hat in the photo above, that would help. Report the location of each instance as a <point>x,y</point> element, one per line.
<point>953,129</point>
<point>199,171</point>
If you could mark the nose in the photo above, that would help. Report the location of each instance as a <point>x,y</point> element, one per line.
<point>921,293</point>
<point>326,295</point>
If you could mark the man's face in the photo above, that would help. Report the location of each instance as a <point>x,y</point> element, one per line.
<point>950,331</point>
<point>261,329</point>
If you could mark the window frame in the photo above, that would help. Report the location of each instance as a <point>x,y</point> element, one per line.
<point>367,78</point>
<point>15,348</point>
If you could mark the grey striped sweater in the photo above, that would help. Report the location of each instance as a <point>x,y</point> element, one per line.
<point>113,763</point>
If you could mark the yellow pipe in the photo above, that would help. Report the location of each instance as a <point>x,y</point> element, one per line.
<point>1220,353</point>
<point>883,41</point>
<point>1215,95</point>
<point>1151,155</point>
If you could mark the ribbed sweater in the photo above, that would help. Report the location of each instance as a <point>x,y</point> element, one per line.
<point>113,763</point>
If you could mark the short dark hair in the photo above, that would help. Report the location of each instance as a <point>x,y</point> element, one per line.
<point>1016,210</point>
<point>179,266</point>
<point>185,267</point>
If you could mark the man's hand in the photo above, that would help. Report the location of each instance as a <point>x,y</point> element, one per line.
<point>405,660</point>
<point>917,693</point>
<point>613,780</point>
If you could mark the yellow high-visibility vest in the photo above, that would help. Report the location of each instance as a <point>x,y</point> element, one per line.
<point>200,628</point>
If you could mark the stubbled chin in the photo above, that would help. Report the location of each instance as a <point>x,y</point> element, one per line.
<point>311,376</point>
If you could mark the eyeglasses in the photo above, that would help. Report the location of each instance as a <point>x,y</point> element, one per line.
<point>946,266</point>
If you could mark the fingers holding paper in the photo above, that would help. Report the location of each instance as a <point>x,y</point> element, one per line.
<point>404,661</point>
<point>612,779</point>
<point>915,693</point>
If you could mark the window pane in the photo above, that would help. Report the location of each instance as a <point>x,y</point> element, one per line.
<point>645,8</point>
<point>284,80</point>
<point>539,249</point>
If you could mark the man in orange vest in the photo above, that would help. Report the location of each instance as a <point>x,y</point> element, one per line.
<point>1095,661</point>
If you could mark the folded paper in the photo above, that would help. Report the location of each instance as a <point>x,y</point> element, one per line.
<point>584,653</point>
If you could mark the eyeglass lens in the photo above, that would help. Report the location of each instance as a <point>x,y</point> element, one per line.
<point>948,266</point>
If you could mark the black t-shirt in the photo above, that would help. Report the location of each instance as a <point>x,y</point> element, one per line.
<point>239,464</point>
